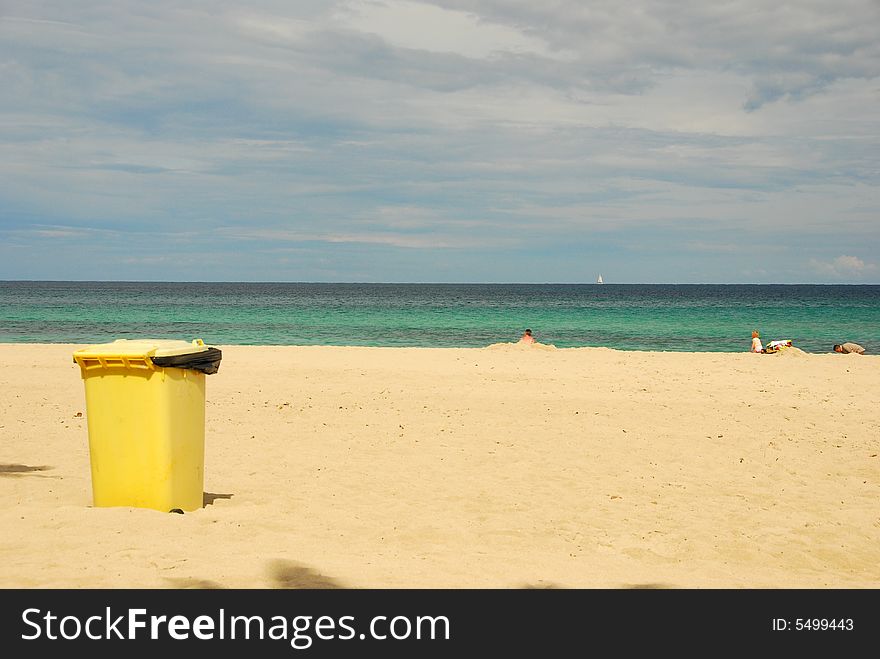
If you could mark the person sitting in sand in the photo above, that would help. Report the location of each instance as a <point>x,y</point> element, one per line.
<point>527,337</point>
<point>756,342</point>
<point>847,348</point>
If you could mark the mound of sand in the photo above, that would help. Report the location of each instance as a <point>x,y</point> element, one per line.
<point>791,351</point>
<point>522,346</point>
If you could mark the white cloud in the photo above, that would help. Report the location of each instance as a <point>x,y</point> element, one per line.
<point>424,26</point>
<point>844,267</point>
<point>273,28</point>
<point>430,240</point>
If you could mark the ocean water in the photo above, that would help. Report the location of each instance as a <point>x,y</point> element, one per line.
<point>689,318</point>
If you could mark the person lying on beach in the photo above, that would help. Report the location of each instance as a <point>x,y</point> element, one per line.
<point>777,346</point>
<point>527,337</point>
<point>848,347</point>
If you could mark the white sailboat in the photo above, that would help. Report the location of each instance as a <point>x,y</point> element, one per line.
<point>599,280</point>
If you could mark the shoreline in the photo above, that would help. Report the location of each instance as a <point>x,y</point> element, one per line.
<point>366,467</point>
<point>539,345</point>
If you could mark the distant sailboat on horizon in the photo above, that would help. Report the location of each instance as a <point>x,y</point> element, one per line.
<point>599,280</point>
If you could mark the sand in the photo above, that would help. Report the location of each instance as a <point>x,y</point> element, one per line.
<point>500,467</point>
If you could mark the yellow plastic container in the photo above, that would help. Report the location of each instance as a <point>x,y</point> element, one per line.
<point>146,422</point>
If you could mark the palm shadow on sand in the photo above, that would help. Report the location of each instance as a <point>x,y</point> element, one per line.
<point>15,470</point>
<point>292,575</point>
<point>193,584</point>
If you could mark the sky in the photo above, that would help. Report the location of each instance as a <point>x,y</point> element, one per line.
<point>657,141</point>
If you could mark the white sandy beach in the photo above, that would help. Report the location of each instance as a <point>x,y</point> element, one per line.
<point>500,467</point>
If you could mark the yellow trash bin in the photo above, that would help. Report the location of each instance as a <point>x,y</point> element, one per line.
<point>145,409</point>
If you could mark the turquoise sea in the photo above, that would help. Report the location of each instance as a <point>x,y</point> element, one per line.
<point>690,318</point>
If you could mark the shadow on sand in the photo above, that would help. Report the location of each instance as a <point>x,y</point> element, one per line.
<point>289,574</point>
<point>17,470</point>
<point>208,498</point>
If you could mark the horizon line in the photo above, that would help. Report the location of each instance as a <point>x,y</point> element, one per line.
<point>425,283</point>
